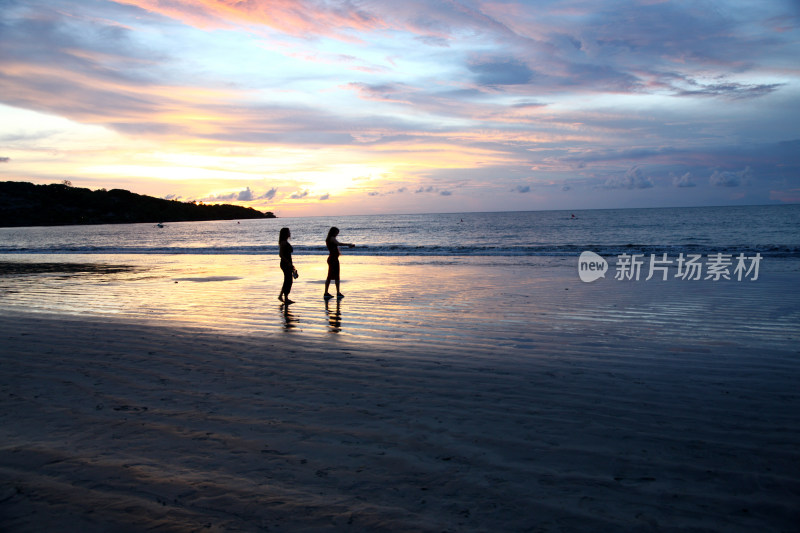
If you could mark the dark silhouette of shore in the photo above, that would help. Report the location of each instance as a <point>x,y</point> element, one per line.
<point>27,204</point>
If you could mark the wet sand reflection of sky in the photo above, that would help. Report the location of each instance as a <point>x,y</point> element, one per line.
<point>491,305</point>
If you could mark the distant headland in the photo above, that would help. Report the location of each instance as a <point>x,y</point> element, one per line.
<point>27,204</point>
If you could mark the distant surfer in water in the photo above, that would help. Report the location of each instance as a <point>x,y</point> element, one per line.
<point>289,273</point>
<point>333,262</point>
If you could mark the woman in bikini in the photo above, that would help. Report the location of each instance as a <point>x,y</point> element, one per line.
<point>333,262</point>
<point>285,251</point>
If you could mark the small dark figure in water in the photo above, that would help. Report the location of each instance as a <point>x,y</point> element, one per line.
<point>285,251</point>
<point>333,262</point>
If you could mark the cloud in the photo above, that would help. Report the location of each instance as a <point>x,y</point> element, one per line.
<point>500,71</point>
<point>523,188</point>
<point>731,179</point>
<point>433,41</point>
<point>434,190</point>
<point>96,70</point>
<point>325,197</point>
<point>172,197</point>
<point>633,179</point>
<point>683,181</point>
<point>602,78</point>
<point>627,154</point>
<point>566,188</point>
<point>733,91</point>
<point>386,92</point>
<point>299,195</point>
<point>71,64</point>
<point>159,72</point>
<point>242,196</point>
<point>791,196</point>
<point>5,159</point>
<point>528,105</point>
<point>222,197</point>
<point>269,195</point>
<point>298,18</point>
<point>401,190</point>
<point>431,24</point>
<point>245,195</point>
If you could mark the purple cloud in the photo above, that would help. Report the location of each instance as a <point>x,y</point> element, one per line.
<point>730,179</point>
<point>245,196</point>
<point>633,178</point>
<point>683,181</point>
<point>500,71</point>
<point>484,70</point>
<point>269,195</point>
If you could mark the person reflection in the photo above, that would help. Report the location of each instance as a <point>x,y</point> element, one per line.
<point>290,321</point>
<point>334,316</point>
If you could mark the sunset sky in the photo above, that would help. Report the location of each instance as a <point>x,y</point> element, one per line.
<point>386,106</point>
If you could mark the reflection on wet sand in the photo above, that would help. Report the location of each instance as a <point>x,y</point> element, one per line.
<point>334,317</point>
<point>290,320</point>
<point>23,268</point>
<point>519,305</point>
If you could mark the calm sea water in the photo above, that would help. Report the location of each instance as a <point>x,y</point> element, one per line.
<point>772,231</point>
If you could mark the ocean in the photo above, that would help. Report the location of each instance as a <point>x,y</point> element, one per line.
<point>502,281</point>
<point>772,231</point>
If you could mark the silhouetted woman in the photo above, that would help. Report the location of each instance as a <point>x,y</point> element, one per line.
<point>333,262</point>
<point>285,251</point>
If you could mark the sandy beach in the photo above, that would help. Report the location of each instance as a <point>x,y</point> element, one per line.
<point>530,413</point>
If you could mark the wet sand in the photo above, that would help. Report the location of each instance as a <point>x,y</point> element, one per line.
<point>611,409</point>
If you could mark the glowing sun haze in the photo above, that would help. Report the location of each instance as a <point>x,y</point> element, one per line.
<point>319,107</point>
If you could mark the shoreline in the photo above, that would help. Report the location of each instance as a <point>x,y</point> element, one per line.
<point>112,424</point>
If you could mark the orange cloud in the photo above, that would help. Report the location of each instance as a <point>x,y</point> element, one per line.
<point>142,108</point>
<point>294,17</point>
